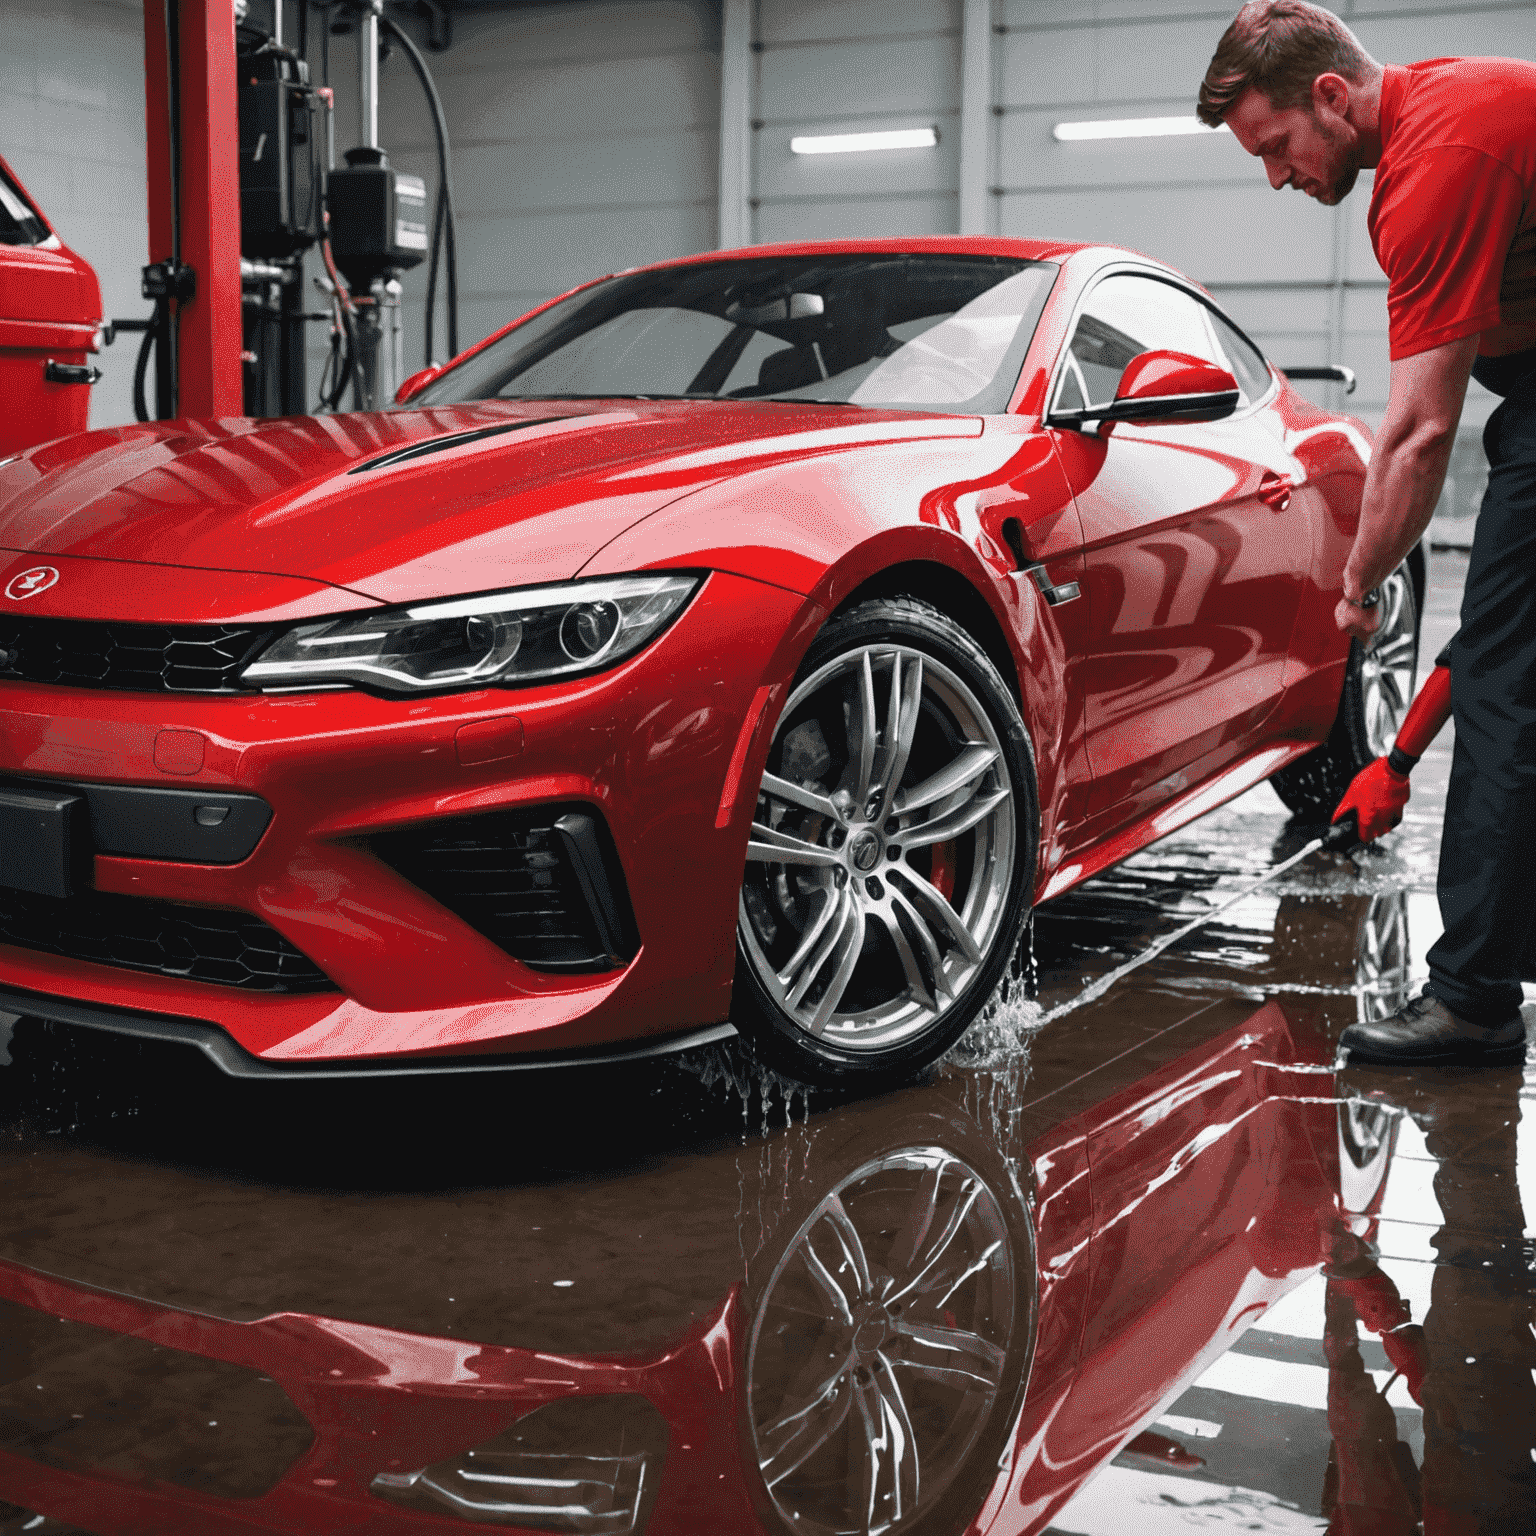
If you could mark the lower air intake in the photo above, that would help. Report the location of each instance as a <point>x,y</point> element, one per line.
<point>543,884</point>
<point>230,949</point>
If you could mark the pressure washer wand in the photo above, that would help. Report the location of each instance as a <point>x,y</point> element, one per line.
<point>1341,837</point>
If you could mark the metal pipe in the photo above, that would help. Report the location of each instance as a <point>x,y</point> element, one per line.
<point>368,73</point>
<point>277,22</point>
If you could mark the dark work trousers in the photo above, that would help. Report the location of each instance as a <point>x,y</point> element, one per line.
<point>1488,847</point>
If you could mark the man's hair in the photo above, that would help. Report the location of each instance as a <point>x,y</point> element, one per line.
<point>1279,47</point>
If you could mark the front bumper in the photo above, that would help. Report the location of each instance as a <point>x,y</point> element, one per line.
<point>646,750</point>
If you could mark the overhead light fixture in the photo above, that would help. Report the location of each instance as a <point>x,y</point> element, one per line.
<point>1133,128</point>
<point>855,143</point>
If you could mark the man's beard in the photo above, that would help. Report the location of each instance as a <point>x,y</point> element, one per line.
<point>1341,188</point>
<point>1344,182</point>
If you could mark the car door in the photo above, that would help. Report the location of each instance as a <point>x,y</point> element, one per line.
<point>1193,569</point>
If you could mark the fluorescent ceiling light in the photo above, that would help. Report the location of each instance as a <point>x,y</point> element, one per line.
<point>1133,128</point>
<point>853,143</point>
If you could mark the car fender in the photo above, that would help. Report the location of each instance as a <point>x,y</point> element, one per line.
<point>786,530</point>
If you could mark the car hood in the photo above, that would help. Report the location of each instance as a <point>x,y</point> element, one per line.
<point>404,505</point>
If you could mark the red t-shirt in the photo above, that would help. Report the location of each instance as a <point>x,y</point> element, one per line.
<point>1453,214</point>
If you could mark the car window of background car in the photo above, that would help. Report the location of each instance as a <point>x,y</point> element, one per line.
<point>1125,316</point>
<point>19,225</point>
<point>1247,362</point>
<point>897,331</point>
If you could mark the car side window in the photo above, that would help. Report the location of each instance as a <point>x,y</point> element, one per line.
<point>1247,362</point>
<point>1125,316</point>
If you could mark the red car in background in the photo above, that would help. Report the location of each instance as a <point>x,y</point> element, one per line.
<point>745,642</point>
<point>50,321</point>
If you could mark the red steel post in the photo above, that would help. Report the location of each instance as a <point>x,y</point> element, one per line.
<point>208,351</point>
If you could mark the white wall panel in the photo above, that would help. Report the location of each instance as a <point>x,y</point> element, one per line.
<point>585,140</point>
<point>840,219</point>
<point>802,21</point>
<point>849,79</point>
<point>849,67</point>
<point>1174,225</point>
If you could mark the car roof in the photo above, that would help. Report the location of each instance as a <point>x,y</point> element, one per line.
<point>960,245</point>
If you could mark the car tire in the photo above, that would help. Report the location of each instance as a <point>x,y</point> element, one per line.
<point>1378,688</point>
<point>878,1373</point>
<point>866,944</point>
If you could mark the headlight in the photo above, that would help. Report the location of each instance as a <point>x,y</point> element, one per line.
<point>528,635</point>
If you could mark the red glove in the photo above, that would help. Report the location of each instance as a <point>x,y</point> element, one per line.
<point>1377,798</point>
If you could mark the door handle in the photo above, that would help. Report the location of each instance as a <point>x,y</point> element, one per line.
<point>1275,490</point>
<point>70,373</point>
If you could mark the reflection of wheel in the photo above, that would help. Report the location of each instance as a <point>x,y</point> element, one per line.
<point>891,859</point>
<point>1384,959</point>
<point>889,1349</point>
<point>1367,1137</point>
<point>1378,687</point>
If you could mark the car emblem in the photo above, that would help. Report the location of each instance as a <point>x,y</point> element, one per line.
<point>30,583</point>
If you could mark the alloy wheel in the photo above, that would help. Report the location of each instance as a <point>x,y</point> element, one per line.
<point>1386,670</point>
<point>881,851</point>
<point>880,1348</point>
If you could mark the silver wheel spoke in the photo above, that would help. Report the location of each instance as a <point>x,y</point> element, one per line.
<point>848,1239</point>
<point>917,983</point>
<point>826,1281</point>
<point>769,846</point>
<point>951,825</point>
<point>827,913</point>
<point>850,941</point>
<point>970,1193</point>
<point>807,799</point>
<point>919,1219</point>
<point>863,733</point>
<point>955,1348</point>
<point>876,1449</point>
<point>900,727</point>
<point>906,1472</point>
<point>808,1437</point>
<point>928,898</point>
<point>971,764</point>
<point>926,940</point>
<point>844,912</point>
<point>945,1375</point>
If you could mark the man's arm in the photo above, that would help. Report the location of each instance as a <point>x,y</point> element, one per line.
<point>1406,472</point>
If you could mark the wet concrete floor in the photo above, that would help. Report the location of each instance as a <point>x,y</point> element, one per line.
<point>1151,1266</point>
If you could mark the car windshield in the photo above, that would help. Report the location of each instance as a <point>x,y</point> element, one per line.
<point>906,332</point>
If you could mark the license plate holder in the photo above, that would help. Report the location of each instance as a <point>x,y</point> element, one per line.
<point>42,841</point>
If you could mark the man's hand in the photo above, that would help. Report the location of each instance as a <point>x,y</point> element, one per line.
<point>1377,797</point>
<point>1354,620</point>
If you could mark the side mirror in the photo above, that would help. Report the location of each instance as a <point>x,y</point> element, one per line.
<point>1160,389</point>
<point>417,382</point>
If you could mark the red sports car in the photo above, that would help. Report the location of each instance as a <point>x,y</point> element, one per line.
<point>746,642</point>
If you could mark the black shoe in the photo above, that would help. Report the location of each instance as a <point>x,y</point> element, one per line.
<point>1425,1030</point>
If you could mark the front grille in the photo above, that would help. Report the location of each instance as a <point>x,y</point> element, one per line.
<point>149,658</point>
<point>230,949</point>
<point>514,877</point>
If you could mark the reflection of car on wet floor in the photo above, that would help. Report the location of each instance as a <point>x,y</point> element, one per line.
<point>937,1310</point>
<point>754,636</point>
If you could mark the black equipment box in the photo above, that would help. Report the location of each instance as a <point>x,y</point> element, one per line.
<point>378,217</point>
<point>280,166</point>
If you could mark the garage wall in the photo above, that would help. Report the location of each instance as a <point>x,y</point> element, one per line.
<point>585,140</point>
<point>855,65</point>
<point>72,126</point>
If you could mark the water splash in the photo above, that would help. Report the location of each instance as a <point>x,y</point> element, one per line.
<point>734,1068</point>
